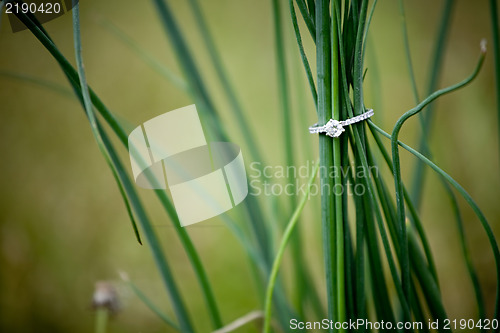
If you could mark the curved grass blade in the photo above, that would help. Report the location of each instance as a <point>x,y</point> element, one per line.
<point>157,66</point>
<point>286,115</point>
<point>426,118</point>
<point>430,289</point>
<point>207,108</point>
<point>465,251</point>
<point>368,22</point>
<point>413,213</point>
<point>57,88</point>
<point>153,241</point>
<point>380,297</point>
<point>401,217</point>
<point>303,56</point>
<point>312,294</point>
<point>308,18</point>
<point>281,250</point>
<point>113,123</point>
<point>177,303</point>
<point>108,150</point>
<point>408,53</point>
<point>138,292</point>
<point>468,199</point>
<point>237,108</point>
<point>416,259</point>
<point>88,107</point>
<point>418,226</point>
<point>283,86</point>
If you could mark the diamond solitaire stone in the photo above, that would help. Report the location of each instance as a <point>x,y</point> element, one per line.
<point>333,128</point>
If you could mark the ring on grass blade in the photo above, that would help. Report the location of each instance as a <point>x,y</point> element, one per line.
<point>333,128</point>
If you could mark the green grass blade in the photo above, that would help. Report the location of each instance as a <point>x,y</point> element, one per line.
<point>127,204</point>
<point>283,86</point>
<point>368,22</point>
<point>427,282</point>
<point>110,119</point>
<point>408,53</point>
<point>138,292</point>
<point>496,53</point>
<point>282,74</point>
<point>303,56</point>
<point>281,250</point>
<point>423,238</point>
<point>190,70</point>
<point>415,257</point>
<point>371,208</point>
<point>413,213</point>
<point>359,150</point>
<point>107,152</point>
<point>72,75</point>
<point>425,276</point>
<point>349,260</point>
<point>312,294</point>
<point>148,59</point>
<point>426,118</point>
<point>337,163</point>
<point>358,61</point>
<point>401,217</point>
<point>359,273</point>
<point>308,18</point>
<point>153,241</point>
<point>57,88</point>
<point>88,107</point>
<point>418,311</point>
<point>468,199</point>
<point>324,81</point>
<point>208,112</point>
<point>225,82</point>
<point>381,300</point>
<point>465,251</point>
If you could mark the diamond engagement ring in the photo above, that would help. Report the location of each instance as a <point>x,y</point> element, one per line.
<point>334,128</point>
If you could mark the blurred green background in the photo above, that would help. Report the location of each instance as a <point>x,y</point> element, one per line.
<point>63,225</point>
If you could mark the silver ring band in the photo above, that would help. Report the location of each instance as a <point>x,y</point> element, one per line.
<point>334,128</point>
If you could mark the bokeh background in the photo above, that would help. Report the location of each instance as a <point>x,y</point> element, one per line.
<point>63,225</point>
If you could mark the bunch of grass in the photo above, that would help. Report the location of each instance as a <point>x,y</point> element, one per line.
<point>387,230</point>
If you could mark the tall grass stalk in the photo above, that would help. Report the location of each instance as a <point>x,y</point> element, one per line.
<point>281,250</point>
<point>468,199</point>
<point>435,70</point>
<point>419,173</point>
<point>339,221</point>
<point>404,256</point>
<point>288,140</point>
<point>324,82</point>
<point>110,155</point>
